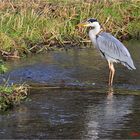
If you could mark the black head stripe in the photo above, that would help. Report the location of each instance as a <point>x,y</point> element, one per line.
<point>92,20</point>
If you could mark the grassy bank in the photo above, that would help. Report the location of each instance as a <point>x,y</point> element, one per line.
<point>37,25</point>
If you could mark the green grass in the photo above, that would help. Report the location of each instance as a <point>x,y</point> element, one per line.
<point>24,24</point>
<point>3,69</point>
<point>6,89</point>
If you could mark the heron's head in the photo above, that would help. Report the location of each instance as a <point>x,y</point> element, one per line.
<point>89,23</point>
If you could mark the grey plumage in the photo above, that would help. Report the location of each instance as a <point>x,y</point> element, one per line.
<point>113,50</point>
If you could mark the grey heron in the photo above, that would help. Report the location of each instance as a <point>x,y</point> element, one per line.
<point>109,47</point>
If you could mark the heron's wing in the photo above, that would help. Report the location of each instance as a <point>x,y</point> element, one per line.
<point>113,49</point>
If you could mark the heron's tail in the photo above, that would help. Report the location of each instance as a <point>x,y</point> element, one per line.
<point>129,64</point>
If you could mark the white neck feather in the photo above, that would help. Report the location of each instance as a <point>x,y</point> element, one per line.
<point>93,32</point>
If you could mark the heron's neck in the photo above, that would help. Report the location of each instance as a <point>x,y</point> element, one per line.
<point>94,32</point>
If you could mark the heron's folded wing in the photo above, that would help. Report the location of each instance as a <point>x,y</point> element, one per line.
<point>113,48</point>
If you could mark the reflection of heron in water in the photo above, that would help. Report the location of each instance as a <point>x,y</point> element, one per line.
<point>110,93</point>
<point>109,47</point>
<point>104,116</point>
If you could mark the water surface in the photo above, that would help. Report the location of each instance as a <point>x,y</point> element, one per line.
<point>86,109</point>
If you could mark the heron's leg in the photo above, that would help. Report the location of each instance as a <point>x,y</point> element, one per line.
<point>112,73</point>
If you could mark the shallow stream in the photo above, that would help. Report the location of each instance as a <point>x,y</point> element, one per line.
<point>79,104</point>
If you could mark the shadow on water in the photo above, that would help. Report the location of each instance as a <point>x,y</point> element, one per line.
<point>84,107</point>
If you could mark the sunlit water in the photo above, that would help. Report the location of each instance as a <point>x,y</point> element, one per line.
<point>92,111</point>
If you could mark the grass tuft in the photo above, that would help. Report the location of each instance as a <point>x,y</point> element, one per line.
<point>12,95</point>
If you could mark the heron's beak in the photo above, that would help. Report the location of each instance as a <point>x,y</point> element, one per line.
<point>83,24</point>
